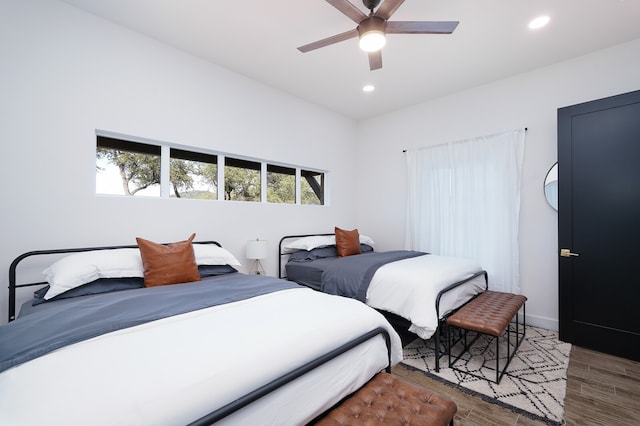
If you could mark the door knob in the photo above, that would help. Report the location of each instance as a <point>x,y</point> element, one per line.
<point>567,253</point>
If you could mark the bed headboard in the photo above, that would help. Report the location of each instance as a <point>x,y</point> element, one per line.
<point>284,254</point>
<point>13,285</point>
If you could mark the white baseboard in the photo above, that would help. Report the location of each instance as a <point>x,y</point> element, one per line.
<point>542,322</point>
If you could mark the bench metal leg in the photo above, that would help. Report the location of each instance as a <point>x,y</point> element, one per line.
<point>437,348</point>
<point>498,355</point>
<point>519,338</point>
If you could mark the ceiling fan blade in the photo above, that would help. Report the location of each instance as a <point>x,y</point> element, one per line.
<point>387,8</point>
<point>352,12</point>
<point>421,27</point>
<point>329,41</point>
<point>375,60</point>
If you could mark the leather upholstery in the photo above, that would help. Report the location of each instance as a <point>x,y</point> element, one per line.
<point>347,242</point>
<point>386,400</point>
<point>168,264</point>
<point>489,313</point>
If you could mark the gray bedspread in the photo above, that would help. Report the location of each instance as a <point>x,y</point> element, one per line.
<point>57,324</point>
<point>350,276</point>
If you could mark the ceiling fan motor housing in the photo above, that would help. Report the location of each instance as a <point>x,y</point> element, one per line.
<point>372,23</point>
<point>371,4</point>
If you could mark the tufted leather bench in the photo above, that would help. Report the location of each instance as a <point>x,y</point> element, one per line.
<point>386,400</point>
<point>491,312</point>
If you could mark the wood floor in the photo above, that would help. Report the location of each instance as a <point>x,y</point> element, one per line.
<point>601,390</point>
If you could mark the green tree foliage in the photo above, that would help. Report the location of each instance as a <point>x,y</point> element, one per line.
<point>137,171</point>
<point>181,172</point>
<point>241,184</point>
<point>307,194</point>
<point>208,174</point>
<point>140,171</point>
<point>281,188</point>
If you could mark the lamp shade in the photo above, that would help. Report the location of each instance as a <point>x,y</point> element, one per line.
<point>256,249</point>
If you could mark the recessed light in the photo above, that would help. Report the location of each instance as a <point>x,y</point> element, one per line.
<point>368,88</point>
<point>539,22</point>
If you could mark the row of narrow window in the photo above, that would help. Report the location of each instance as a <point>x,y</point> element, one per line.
<point>134,169</point>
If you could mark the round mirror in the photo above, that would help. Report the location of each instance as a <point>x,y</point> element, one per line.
<point>551,186</point>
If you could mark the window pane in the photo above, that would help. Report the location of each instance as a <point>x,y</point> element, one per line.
<point>241,180</point>
<point>312,187</point>
<point>127,168</point>
<point>281,184</point>
<point>193,175</point>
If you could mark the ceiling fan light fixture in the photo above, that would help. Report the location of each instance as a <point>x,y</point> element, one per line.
<point>372,34</point>
<point>372,41</point>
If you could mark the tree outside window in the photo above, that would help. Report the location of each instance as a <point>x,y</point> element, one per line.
<point>193,175</point>
<point>281,184</point>
<point>241,180</point>
<point>312,187</point>
<point>136,165</point>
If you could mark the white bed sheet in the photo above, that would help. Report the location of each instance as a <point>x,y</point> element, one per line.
<point>176,370</point>
<point>409,288</point>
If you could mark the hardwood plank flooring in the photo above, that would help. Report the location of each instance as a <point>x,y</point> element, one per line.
<point>601,390</point>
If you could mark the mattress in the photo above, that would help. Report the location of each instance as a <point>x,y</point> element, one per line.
<point>308,274</point>
<point>410,288</point>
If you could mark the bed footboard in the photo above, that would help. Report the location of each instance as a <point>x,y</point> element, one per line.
<point>442,320</point>
<point>289,377</point>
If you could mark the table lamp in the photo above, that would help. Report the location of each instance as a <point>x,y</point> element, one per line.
<point>256,250</point>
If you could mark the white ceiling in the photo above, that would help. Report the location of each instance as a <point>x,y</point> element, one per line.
<point>258,39</point>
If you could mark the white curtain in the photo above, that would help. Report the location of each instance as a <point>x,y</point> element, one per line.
<point>464,200</point>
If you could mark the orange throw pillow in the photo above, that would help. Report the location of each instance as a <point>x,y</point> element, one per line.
<point>171,264</point>
<point>347,242</point>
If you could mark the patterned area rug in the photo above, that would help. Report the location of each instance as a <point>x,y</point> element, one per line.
<point>534,384</point>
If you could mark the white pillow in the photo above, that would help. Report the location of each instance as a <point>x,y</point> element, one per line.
<point>211,254</point>
<point>309,243</point>
<point>81,268</point>
<point>366,240</point>
<point>315,241</point>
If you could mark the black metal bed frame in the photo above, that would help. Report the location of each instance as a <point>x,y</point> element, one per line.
<point>243,401</point>
<point>294,374</point>
<point>440,337</point>
<point>287,237</point>
<point>13,285</point>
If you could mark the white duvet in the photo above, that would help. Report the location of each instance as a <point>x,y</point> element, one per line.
<point>409,288</point>
<point>176,370</point>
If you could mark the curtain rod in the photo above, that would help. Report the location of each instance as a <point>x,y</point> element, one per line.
<point>525,129</point>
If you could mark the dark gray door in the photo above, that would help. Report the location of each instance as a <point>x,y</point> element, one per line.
<point>599,224</point>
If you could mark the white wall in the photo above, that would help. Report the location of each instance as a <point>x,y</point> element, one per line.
<point>66,73</point>
<point>527,100</point>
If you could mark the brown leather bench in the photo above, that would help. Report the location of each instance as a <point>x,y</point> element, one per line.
<point>491,313</point>
<point>387,400</point>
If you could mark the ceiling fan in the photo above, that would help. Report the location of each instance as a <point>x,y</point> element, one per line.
<point>372,29</point>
